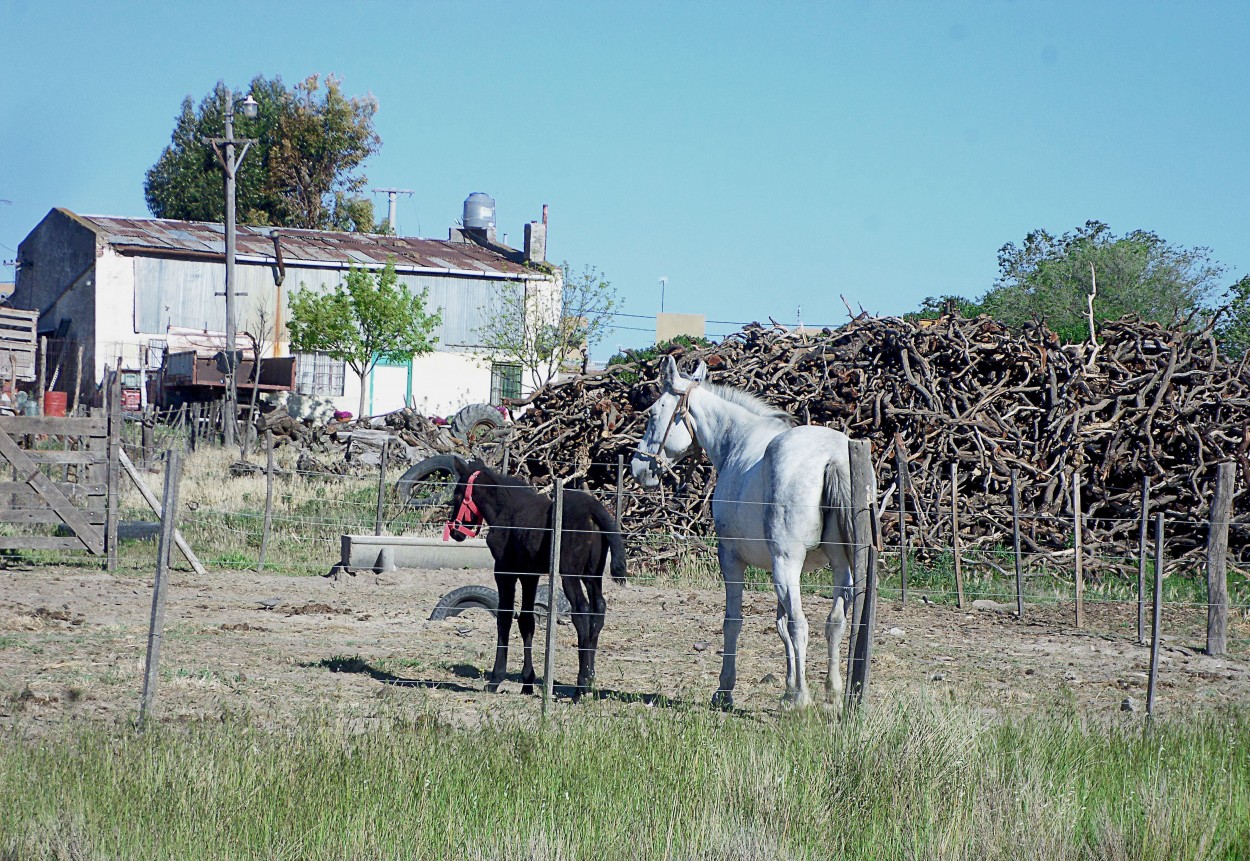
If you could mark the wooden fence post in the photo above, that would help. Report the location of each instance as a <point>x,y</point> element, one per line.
<point>113,449</point>
<point>1157,614</point>
<point>268,521</point>
<point>553,604</point>
<point>959,570</point>
<point>42,382</point>
<point>1141,559</point>
<point>900,461</point>
<point>73,403</point>
<point>1217,560</point>
<point>169,514</point>
<point>377,520</point>
<point>1015,541</point>
<point>1078,558</point>
<point>863,507</point>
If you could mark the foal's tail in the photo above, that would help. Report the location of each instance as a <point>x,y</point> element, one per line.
<point>616,544</point>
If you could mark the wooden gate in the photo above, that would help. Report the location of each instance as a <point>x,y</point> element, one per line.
<point>56,471</point>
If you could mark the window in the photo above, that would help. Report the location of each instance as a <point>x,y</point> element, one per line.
<point>318,374</point>
<point>505,382</point>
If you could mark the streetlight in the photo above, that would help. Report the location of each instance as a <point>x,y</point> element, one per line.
<point>230,164</point>
<point>663,285</point>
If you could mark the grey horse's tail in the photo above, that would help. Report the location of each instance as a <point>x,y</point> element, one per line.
<point>839,526</point>
<point>616,544</point>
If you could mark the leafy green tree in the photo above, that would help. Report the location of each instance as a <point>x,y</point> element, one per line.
<point>1233,332</point>
<point>303,170</point>
<point>934,307</point>
<point>369,317</point>
<point>1139,273</point>
<point>547,331</point>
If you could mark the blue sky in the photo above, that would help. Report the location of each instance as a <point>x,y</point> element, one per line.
<point>765,157</point>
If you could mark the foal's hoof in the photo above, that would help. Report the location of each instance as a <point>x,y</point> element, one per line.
<point>492,687</point>
<point>723,700</point>
<point>527,690</point>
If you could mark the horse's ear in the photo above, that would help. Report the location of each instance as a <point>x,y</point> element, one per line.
<point>670,372</point>
<point>462,466</point>
<point>700,372</point>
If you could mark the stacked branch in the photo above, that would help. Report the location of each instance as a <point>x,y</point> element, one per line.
<point>1146,401</point>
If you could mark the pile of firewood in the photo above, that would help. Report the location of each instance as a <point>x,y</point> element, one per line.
<point>1141,401</point>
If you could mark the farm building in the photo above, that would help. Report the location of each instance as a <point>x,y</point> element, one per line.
<point>135,288</point>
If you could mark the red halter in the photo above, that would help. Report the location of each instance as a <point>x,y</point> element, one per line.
<point>468,517</point>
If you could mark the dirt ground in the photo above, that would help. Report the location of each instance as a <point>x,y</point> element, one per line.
<point>278,648</point>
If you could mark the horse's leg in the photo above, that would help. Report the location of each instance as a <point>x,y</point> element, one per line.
<point>581,623</point>
<point>527,622</point>
<point>733,569</point>
<point>598,609</point>
<point>787,572</point>
<point>506,583</point>
<point>835,626</point>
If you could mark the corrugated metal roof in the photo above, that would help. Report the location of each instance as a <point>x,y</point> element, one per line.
<point>157,235</point>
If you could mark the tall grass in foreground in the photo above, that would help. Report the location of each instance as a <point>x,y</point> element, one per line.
<point>910,782</point>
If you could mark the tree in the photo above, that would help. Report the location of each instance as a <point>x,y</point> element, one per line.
<point>1139,273</point>
<point>545,331</point>
<point>369,317</point>
<point>1233,332</point>
<point>303,170</point>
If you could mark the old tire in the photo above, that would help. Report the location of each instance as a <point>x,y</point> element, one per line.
<point>457,601</point>
<point>429,482</point>
<point>541,603</point>
<point>477,423</point>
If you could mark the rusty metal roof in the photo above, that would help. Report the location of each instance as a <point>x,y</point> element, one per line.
<point>158,236</point>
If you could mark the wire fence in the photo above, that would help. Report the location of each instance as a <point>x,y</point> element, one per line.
<point>299,516</point>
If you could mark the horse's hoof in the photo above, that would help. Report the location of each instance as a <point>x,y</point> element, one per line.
<point>791,701</point>
<point>492,687</point>
<point>723,700</point>
<point>526,690</point>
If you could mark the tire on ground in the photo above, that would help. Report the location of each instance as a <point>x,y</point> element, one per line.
<point>416,487</point>
<point>457,601</point>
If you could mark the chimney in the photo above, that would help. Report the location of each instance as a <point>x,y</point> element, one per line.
<point>535,242</point>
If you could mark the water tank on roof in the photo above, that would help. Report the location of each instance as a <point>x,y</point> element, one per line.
<point>479,211</point>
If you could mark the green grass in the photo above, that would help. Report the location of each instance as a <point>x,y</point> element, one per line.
<point>609,781</point>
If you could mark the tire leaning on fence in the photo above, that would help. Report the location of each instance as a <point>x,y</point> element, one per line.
<point>429,482</point>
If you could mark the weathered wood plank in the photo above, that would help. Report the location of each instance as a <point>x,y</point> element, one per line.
<point>54,426</point>
<point>34,515</point>
<point>40,542</point>
<point>53,456</point>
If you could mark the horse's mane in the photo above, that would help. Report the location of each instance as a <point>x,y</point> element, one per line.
<point>750,403</point>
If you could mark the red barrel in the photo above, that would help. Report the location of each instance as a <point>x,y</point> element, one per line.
<point>54,403</point>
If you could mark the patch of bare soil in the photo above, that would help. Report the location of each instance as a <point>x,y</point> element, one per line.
<point>72,646</point>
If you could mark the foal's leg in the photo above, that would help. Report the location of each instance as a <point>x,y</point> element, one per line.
<point>527,622</point>
<point>786,580</point>
<point>573,590</point>
<point>506,583</point>
<point>733,570</point>
<point>598,608</point>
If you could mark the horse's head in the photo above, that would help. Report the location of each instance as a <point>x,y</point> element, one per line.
<point>670,433</point>
<point>466,515</point>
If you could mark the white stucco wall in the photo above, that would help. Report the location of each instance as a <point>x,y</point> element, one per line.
<point>115,312</point>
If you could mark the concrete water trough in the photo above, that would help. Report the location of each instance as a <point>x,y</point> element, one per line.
<point>387,552</point>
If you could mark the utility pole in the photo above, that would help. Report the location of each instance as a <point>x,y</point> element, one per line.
<point>230,164</point>
<point>391,195</point>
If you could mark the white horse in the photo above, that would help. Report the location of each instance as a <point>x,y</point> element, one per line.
<point>782,501</point>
